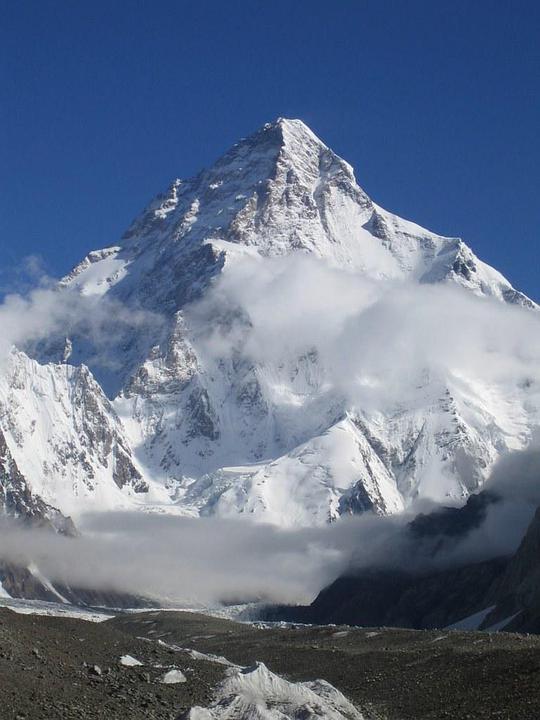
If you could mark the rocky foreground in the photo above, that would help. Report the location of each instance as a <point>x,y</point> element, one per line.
<point>161,665</point>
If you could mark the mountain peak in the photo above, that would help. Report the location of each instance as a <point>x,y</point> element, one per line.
<point>294,128</point>
<point>284,141</point>
<point>279,191</point>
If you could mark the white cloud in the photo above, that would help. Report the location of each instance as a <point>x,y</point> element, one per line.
<point>48,315</point>
<point>376,341</point>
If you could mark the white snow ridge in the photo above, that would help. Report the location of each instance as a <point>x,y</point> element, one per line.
<point>256,693</point>
<point>315,355</point>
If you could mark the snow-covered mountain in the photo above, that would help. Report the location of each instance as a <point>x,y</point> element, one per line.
<point>175,423</point>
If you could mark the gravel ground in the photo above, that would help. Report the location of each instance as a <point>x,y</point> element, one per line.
<point>47,672</point>
<point>47,667</point>
<point>397,674</point>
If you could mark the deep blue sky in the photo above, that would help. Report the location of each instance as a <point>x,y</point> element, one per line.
<point>436,105</point>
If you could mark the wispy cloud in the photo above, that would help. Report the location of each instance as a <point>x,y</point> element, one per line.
<point>43,314</point>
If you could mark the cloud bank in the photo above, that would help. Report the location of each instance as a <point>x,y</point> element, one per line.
<point>207,561</point>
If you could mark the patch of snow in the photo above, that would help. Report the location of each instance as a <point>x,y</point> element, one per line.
<point>501,624</point>
<point>472,622</point>
<point>304,486</point>
<point>129,661</point>
<point>172,677</point>
<point>66,439</point>
<point>35,571</point>
<point>41,607</point>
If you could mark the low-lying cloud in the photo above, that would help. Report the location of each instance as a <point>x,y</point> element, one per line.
<point>206,561</point>
<point>180,560</point>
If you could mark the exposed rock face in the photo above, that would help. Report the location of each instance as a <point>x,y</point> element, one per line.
<point>501,593</point>
<point>170,423</point>
<point>447,524</point>
<point>518,598</point>
<point>19,582</point>
<point>386,598</point>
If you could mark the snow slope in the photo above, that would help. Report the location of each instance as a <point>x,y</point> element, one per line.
<point>68,443</point>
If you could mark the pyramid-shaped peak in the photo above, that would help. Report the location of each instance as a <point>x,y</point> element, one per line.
<point>282,133</point>
<point>287,144</point>
<point>287,131</point>
<point>296,127</point>
<point>291,122</point>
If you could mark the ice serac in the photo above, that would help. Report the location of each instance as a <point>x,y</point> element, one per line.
<point>231,435</point>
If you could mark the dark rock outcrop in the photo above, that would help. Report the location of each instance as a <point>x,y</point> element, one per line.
<point>508,588</point>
